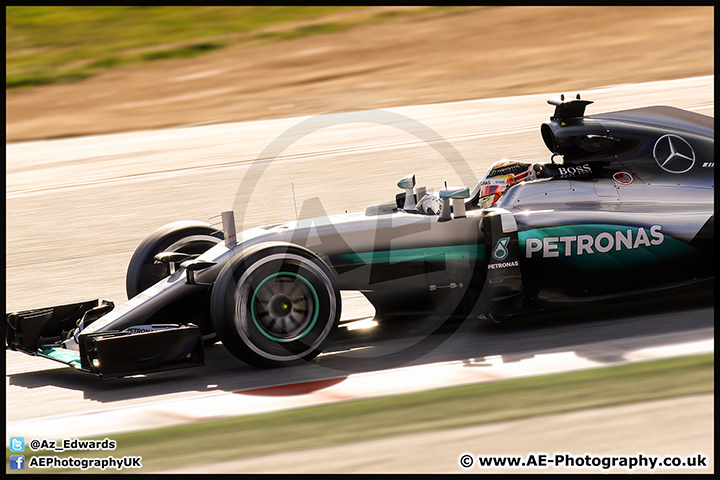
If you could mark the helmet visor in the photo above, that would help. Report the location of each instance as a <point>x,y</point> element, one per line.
<point>492,186</point>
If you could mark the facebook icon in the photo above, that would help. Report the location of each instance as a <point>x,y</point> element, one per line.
<point>17,462</point>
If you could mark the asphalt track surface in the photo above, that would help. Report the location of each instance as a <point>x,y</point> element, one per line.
<point>77,208</point>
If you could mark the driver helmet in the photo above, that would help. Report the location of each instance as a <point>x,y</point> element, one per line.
<point>499,177</point>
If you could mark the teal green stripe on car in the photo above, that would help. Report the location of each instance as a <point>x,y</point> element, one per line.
<point>65,356</point>
<point>429,254</point>
<point>601,245</point>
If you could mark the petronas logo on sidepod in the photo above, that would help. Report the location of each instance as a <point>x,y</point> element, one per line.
<point>500,252</point>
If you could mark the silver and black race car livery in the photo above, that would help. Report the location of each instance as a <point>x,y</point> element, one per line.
<point>628,212</point>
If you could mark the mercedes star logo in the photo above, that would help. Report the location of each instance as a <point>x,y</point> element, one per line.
<point>674,154</point>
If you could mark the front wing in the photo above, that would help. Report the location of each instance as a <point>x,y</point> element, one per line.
<point>56,333</point>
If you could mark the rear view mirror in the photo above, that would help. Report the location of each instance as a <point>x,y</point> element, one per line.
<point>408,183</point>
<point>458,196</point>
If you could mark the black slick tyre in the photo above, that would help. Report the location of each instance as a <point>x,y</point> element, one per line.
<point>186,236</point>
<point>275,304</point>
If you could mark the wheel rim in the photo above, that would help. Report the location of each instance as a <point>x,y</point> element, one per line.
<point>284,307</point>
<point>238,324</point>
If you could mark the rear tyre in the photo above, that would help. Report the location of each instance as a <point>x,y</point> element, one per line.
<point>144,271</point>
<point>275,305</point>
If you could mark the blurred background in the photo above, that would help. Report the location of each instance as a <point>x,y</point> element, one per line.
<point>79,70</point>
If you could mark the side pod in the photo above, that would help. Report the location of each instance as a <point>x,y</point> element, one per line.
<point>503,291</point>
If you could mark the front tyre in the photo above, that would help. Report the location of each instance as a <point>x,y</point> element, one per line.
<point>275,305</point>
<point>187,236</point>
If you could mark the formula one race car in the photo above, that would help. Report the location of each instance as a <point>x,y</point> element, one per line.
<point>629,211</point>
